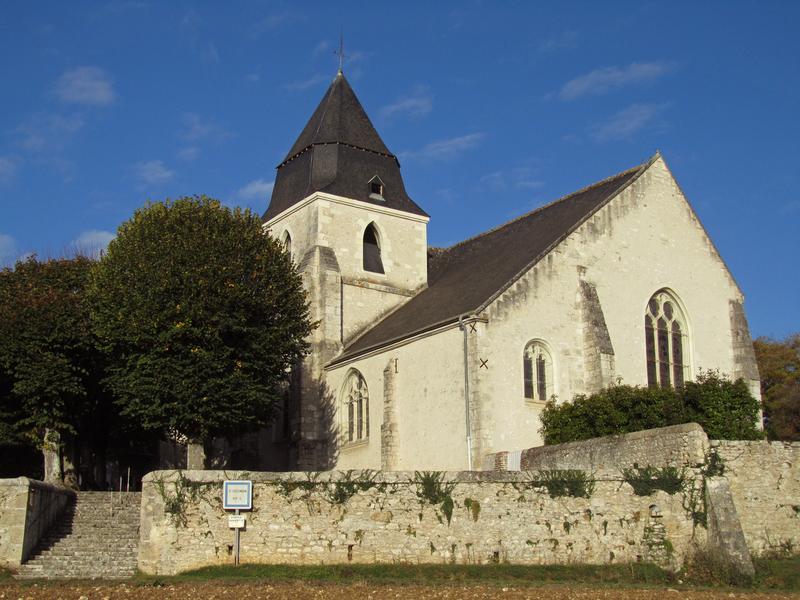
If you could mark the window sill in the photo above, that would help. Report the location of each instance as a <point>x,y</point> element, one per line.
<point>535,403</point>
<point>354,445</point>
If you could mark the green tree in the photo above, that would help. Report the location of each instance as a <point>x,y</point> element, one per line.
<point>48,356</point>
<point>204,315</point>
<point>779,367</point>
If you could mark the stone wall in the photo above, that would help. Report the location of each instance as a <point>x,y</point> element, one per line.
<point>763,477</point>
<point>27,510</point>
<point>765,483</point>
<point>677,446</point>
<point>309,518</point>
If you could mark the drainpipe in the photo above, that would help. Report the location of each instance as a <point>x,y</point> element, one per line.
<point>463,327</point>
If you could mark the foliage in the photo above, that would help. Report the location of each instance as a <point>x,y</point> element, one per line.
<point>50,365</point>
<point>433,489</point>
<point>183,493</point>
<point>205,315</point>
<point>339,492</point>
<point>564,482</point>
<point>779,368</point>
<point>725,409</point>
<point>646,480</point>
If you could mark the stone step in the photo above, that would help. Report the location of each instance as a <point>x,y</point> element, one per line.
<point>96,537</point>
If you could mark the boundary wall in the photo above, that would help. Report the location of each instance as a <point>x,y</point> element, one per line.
<point>28,508</point>
<point>406,517</point>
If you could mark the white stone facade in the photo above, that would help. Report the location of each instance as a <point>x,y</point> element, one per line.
<point>584,301</point>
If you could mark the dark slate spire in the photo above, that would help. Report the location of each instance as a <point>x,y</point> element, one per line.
<point>339,152</point>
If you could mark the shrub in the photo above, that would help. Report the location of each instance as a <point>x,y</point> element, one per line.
<point>725,409</point>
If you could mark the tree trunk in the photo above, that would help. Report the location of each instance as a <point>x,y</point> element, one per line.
<point>68,457</point>
<point>195,455</point>
<point>51,450</point>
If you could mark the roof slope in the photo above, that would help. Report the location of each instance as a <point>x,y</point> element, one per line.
<point>463,279</point>
<point>339,152</point>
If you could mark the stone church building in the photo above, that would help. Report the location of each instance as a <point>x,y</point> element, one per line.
<point>431,358</point>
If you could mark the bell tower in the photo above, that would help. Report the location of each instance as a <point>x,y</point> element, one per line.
<point>359,241</point>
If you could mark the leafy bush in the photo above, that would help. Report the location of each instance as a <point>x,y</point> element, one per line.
<point>564,482</point>
<point>725,409</point>
<point>646,480</point>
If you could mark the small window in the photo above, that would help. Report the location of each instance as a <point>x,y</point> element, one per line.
<point>376,189</point>
<point>372,250</point>
<point>354,408</point>
<point>287,243</point>
<point>537,372</point>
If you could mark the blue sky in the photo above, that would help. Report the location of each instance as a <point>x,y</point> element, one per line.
<point>493,109</point>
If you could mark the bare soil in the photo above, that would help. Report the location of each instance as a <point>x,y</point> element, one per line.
<point>11,590</point>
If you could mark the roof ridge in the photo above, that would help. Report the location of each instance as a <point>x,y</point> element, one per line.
<point>551,203</point>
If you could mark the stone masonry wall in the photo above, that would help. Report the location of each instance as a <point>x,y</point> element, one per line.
<point>27,509</point>
<point>765,483</point>
<point>676,446</point>
<point>310,518</point>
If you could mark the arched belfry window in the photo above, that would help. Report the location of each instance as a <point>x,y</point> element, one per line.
<point>354,408</point>
<point>372,250</point>
<point>537,366</point>
<point>666,341</point>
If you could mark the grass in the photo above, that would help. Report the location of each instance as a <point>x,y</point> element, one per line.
<point>778,573</point>
<point>5,574</point>
<point>630,574</point>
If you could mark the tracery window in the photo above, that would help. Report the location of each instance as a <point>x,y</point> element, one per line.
<point>355,408</point>
<point>537,367</point>
<point>372,250</point>
<point>666,341</point>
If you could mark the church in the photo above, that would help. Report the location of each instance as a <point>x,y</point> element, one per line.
<point>431,358</point>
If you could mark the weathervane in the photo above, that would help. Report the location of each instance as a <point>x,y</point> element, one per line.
<point>340,51</point>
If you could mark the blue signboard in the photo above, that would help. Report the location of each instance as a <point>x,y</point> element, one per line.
<point>237,495</point>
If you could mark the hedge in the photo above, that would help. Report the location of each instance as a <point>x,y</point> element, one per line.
<point>725,409</point>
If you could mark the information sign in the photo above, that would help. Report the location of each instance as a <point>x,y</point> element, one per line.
<point>237,495</point>
<point>236,521</point>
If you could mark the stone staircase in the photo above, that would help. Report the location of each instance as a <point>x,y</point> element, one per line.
<point>96,537</point>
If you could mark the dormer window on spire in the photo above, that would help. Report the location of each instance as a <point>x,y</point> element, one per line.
<point>376,189</point>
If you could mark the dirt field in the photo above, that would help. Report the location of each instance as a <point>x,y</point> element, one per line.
<point>302,590</point>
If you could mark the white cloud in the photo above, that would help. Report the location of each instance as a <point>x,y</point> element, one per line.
<point>93,241</point>
<point>188,153</point>
<point>47,131</point>
<point>211,54</point>
<point>86,85</point>
<point>153,172</point>
<point>602,81</point>
<point>196,127</point>
<point>322,47</point>
<point>257,189</point>
<point>627,122</point>
<point>446,149</point>
<point>305,84</point>
<point>273,21</point>
<point>563,41</point>
<point>8,168</point>
<point>515,177</point>
<point>417,104</point>
<point>8,247</point>
<point>253,77</point>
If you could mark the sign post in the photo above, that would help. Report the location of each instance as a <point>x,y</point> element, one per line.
<point>237,496</point>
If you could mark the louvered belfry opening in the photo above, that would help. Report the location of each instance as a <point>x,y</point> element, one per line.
<point>372,251</point>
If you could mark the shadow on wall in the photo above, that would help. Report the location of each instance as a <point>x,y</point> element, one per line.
<point>315,429</point>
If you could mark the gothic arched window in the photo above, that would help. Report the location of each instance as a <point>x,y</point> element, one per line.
<point>355,408</point>
<point>537,367</point>
<point>287,242</point>
<point>666,341</point>
<point>372,250</point>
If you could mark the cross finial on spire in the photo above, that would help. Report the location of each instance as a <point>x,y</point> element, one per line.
<point>340,52</point>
